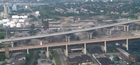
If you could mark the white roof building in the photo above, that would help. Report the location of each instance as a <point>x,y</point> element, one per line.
<point>18,25</point>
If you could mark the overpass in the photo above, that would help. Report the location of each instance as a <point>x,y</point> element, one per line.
<point>29,4</point>
<point>68,32</point>
<point>28,28</point>
<point>85,42</point>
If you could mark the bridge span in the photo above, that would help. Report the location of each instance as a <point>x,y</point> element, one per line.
<point>105,40</point>
<point>68,32</point>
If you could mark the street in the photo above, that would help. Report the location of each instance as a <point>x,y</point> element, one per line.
<point>61,56</point>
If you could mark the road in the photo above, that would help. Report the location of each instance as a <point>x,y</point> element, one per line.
<point>71,43</point>
<point>61,56</point>
<point>33,58</point>
<point>29,4</point>
<point>68,32</point>
<point>28,28</point>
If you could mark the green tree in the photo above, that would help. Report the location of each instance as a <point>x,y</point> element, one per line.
<point>51,57</point>
<point>36,58</point>
<point>33,18</point>
<point>32,29</point>
<point>22,63</point>
<point>4,63</point>
<point>53,64</point>
<point>2,57</point>
<point>45,23</point>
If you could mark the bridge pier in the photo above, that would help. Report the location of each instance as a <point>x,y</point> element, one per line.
<point>126,45</point>
<point>104,47</point>
<point>40,42</point>
<point>127,28</point>
<point>109,32</point>
<point>117,27</point>
<point>47,52</point>
<point>66,51</point>
<point>124,28</point>
<point>67,38</point>
<point>27,51</point>
<point>12,44</point>
<point>89,35</point>
<point>6,50</point>
<point>84,49</point>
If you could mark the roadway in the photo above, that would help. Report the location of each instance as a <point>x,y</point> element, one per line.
<point>29,4</point>
<point>61,56</point>
<point>70,43</point>
<point>68,32</point>
<point>25,29</point>
<point>28,28</point>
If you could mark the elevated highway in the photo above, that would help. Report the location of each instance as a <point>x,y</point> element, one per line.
<point>71,43</point>
<point>29,4</point>
<point>68,32</point>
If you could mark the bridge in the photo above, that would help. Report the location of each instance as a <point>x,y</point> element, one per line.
<point>28,28</point>
<point>85,42</point>
<point>68,32</point>
<point>29,4</point>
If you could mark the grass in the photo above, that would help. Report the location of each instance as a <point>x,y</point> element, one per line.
<point>56,57</point>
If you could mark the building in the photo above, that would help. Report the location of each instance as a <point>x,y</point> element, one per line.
<point>6,50</point>
<point>104,61</point>
<point>126,55</point>
<point>135,32</point>
<point>89,0</point>
<point>82,60</point>
<point>45,24</point>
<point>14,7</point>
<point>6,10</point>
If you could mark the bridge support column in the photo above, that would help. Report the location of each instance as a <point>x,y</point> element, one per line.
<point>89,35</point>
<point>40,42</point>
<point>6,50</point>
<point>12,44</point>
<point>109,32</point>
<point>84,49</point>
<point>124,28</point>
<point>27,51</point>
<point>104,47</point>
<point>47,52</point>
<point>67,38</point>
<point>126,45</point>
<point>66,51</point>
<point>127,28</point>
<point>117,27</point>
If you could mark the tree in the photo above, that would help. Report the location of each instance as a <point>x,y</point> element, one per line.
<point>4,63</point>
<point>34,18</point>
<point>51,57</point>
<point>53,64</point>
<point>32,29</point>
<point>45,23</point>
<point>22,63</point>
<point>1,37</point>
<point>2,57</point>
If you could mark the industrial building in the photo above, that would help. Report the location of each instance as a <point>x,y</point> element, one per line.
<point>125,55</point>
<point>6,10</point>
<point>83,59</point>
<point>104,61</point>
